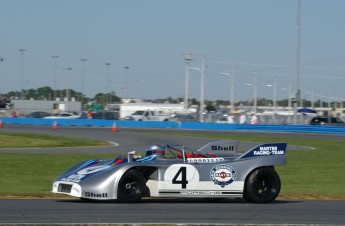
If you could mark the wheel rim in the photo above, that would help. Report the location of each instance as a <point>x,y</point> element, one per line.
<point>265,186</point>
<point>132,187</point>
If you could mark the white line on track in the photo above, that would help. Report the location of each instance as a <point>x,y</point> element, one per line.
<point>114,143</point>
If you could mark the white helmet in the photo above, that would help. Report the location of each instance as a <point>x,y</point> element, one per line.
<point>155,150</point>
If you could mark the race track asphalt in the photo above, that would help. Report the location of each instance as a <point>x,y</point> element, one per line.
<point>160,211</point>
<point>127,139</point>
<point>171,211</point>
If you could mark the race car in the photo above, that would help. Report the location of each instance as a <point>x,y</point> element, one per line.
<point>212,171</point>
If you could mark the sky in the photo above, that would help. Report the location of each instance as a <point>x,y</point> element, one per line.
<point>145,42</point>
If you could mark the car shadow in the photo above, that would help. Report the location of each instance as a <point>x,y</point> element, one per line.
<point>176,200</point>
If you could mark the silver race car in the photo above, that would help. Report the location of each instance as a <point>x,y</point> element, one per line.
<point>213,171</point>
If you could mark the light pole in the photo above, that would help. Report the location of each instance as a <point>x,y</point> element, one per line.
<point>289,95</point>
<point>312,98</point>
<point>82,81</point>
<point>22,73</point>
<point>202,78</point>
<point>289,98</point>
<point>319,100</point>
<point>107,84</point>
<point>228,74</point>
<point>232,86</point>
<point>68,94</point>
<point>187,58</point>
<point>274,99</point>
<point>55,74</point>
<point>341,103</point>
<point>254,92</point>
<point>289,101</point>
<point>274,90</point>
<point>127,91</point>
<point>297,90</point>
<point>1,59</point>
<point>202,87</point>
<point>329,104</point>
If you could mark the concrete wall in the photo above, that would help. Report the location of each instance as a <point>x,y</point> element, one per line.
<point>177,125</point>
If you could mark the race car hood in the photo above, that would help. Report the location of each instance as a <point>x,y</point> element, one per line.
<point>90,168</point>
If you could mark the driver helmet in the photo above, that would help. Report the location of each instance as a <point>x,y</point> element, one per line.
<point>156,150</point>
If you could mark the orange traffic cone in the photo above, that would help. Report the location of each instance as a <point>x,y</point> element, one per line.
<point>0,123</point>
<point>55,126</point>
<point>114,129</point>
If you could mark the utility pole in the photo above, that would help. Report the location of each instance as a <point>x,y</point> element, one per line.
<point>82,81</point>
<point>187,58</point>
<point>55,75</point>
<point>202,78</point>
<point>274,99</point>
<point>127,91</point>
<point>22,74</point>
<point>232,87</point>
<point>297,90</point>
<point>274,95</point>
<point>68,91</point>
<point>255,92</point>
<point>107,85</point>
<point>289,96</point>
<point>312,99</point>
<point>1,59</point>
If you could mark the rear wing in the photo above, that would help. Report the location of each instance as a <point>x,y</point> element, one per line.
<point>269,149</point>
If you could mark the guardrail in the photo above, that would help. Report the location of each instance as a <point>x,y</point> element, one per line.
<point>177,125</point>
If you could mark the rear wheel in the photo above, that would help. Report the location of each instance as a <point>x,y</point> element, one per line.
<point>132,186</point>
<point>262,186</point>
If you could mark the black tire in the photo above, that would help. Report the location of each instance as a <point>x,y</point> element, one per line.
<point>262,186</point>
<point>132,186</point>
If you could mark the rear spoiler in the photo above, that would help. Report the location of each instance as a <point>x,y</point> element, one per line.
<point>269,149</point>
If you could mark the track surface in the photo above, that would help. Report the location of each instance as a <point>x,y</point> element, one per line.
<point>236,211</point>
<point>131,139</point>
<point>189,211</point>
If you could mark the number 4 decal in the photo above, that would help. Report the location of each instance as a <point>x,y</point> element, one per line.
<point>180,176</point>
<point>183,181</point>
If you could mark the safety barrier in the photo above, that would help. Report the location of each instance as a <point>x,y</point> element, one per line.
<point>177,125</point>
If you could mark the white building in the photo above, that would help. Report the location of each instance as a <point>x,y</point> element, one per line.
<point>128,109</point>
<point>28,106</point>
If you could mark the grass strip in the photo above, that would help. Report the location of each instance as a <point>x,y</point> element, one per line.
<point>33,174</point>
<point>310,173</point>
<point>29,140</point>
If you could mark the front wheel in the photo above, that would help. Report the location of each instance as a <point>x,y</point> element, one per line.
<point>132,186</point>
<point>262,186</point>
